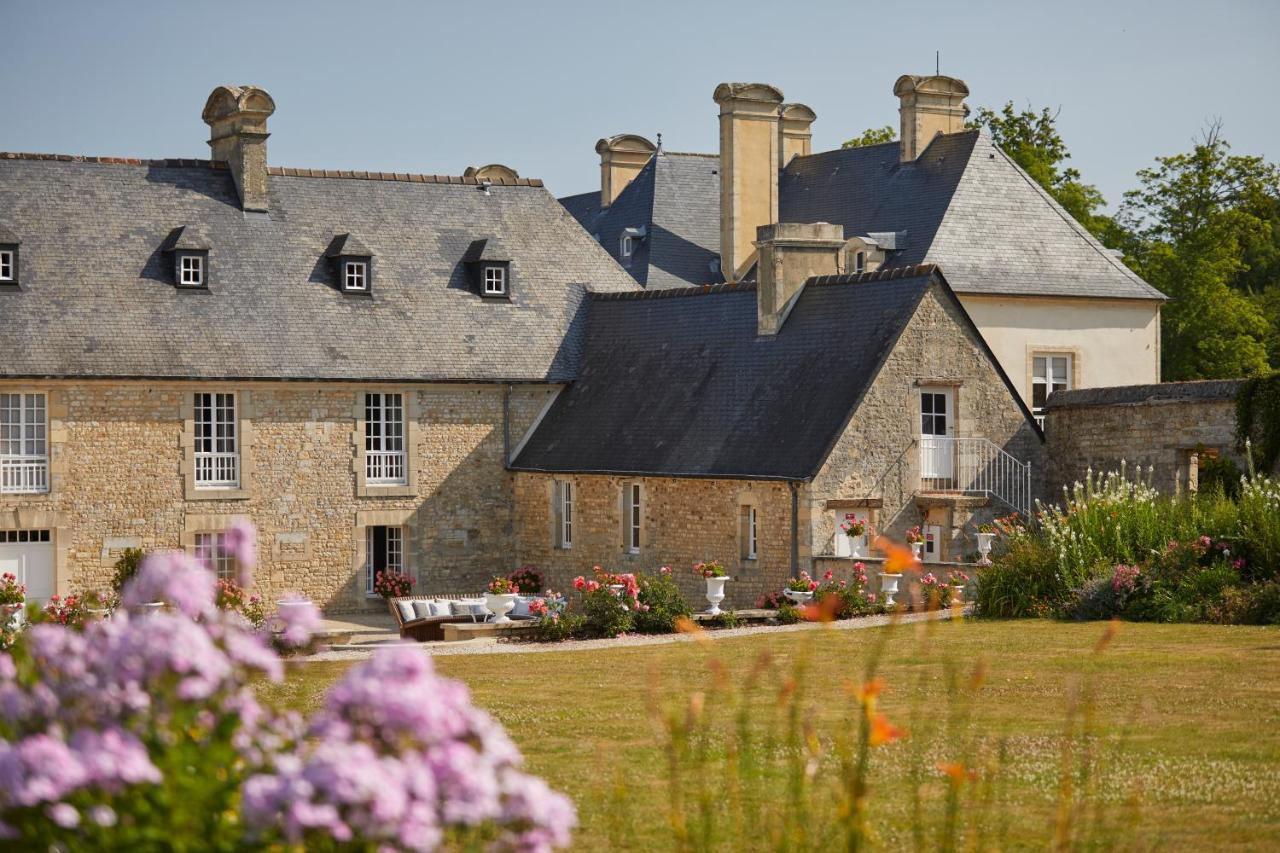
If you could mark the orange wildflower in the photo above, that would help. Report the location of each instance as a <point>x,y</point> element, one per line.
<point>897,558</point>
<point>883,731</point>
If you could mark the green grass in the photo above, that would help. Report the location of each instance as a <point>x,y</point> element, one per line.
<point>1186,724</point>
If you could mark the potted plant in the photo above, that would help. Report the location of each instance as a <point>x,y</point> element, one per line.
<point>716,577</point>
<point>916,540</point>
<point>958,580</point>
<point>856,530</point>
<point>393,584</point>
<point>500,599</point>
<point>986,535</point>
<point>800,590</point>
<point>12,596</point>
<point>528,580</point>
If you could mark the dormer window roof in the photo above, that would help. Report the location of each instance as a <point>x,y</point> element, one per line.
<point>488,266</point>
<point>8,258</point>
<point>190,251</point>
<point>352,264</point>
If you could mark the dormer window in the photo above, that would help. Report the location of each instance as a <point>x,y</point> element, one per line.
<point>191,271</point>
<point>8,257</point>
<point>627,245</point>
<point>487,265</point>
<point>860,262</point>
<point>495,280</point>
<point>190,251</point>
<point>355,275</point>
<point>352,264</point>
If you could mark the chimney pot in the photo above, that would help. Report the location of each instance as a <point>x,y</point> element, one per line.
<point>237,118</point>
<point>928,106</point>
<point>749,155</point>
<point>795,133</point>
<point>621,159</point>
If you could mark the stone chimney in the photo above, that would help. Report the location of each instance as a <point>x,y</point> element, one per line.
<point>237,118</point>
<point>790,254</point>
<point>621,159</point>
<point>749,153</point>
<point>795,136</point>
<point>929,106</point>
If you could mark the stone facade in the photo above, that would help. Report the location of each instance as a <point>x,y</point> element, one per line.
<point>118,451</point>
<point>874,465</point>
<point>1168,427</point>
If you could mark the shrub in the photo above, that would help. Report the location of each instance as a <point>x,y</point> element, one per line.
<point>604,613</point>
<point>233,597</point>
<point>1255,604</point>
<point>772,601</point>
<point>1022,581</point>
<point>527,579</point>
<point>841,600</point>
<point>789,614</point>
<point>1219,474</point>
<point>555,622</point>
<point>125,568</point>
<point>72,611</point>
<point>661,604</point>
<point>11,592</point>
<point>393,584</point>
<point>725,619</point>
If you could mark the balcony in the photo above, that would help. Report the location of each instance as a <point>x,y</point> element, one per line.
<point>974,466</point>
<point>217,470</point>
<point>385,468</point>
<point>24,475</point>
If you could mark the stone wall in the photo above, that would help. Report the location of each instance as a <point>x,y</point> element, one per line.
<point>683,521</point>
<point>1166,426</point>
<point>117,460</point>
<point>877,459</point>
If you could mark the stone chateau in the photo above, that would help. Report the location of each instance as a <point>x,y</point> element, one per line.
<point>713,357</point>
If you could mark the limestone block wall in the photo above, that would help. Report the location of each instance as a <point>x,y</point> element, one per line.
<point>1166,426</point>
<point>877,458</point>
<point>117,460</point>
<point>683,521</point>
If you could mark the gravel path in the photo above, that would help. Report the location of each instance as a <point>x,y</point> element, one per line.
<point>489,646</point>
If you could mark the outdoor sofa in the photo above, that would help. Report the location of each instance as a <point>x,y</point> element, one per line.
<point>423,617</point>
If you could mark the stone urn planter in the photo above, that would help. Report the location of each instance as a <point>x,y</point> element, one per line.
<point>97,614</point>
<point>957,593</point>
<point>917,551</point>
<point>984,548</point>
<point>798,597</point>
<point>715,594</point>
<point>857,547</point>
<point>889,587</point>
<point>500,604</point>
<point>147,608</point>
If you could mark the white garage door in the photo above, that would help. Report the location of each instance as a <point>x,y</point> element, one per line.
<point>28,554</point>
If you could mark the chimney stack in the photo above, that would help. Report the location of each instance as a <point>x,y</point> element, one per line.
<point>621,159</point>
<point>790,254</point>
<point>237,118</point>
<point>749,154</point>
<point>796,136</point>
<point>929,106</point>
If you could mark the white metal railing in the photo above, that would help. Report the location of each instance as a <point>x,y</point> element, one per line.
<point>384,468</point>
<point>974,466</point>
<point>24,475</point>
<point>217,470</point>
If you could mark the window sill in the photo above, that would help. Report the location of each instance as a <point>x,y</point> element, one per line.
<point>374,491</point>
<point>200,493</point>
<point>357,294</point>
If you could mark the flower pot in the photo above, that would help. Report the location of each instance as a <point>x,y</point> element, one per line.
<point>984,548</point>
<point>97,613</point>
<point>889,586</point>
<point>917,550</point>
<point>147,608</point>
<point>500,604</point>
<point>957,593</point>
<point>10,614</point>
<point>715,595</point>
<point>857,547</point>
<point>798,597</point>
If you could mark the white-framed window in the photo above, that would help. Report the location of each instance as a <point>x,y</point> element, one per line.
<point>495,281</point>
<point>217,445</point>
<point>1049,373</point>
<point>24,443</point>
<point>750,532</point>
<point>633,510</point>
<point>628,245</point>
<point>860,262</point>
<point>191,271</point>
<point>385,463</point>
<point>6,264</point>
<point>384,552</point>
<point>211,551</point>
<point>355,276</point>
<point>563,514</point>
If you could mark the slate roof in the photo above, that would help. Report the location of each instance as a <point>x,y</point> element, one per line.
<point>97,297</point>
<point>677,382</point>
<point>963,204</point>
<point>676,198</point>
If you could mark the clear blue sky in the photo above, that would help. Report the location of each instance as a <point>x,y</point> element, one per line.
<point>435,87</point>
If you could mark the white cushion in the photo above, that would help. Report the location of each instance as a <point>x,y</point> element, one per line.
<point>473,607</point>
<point>442,608</point>
<point>521,610</point>
<point>406,611</point>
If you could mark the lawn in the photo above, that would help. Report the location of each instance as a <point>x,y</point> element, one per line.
<point>1184,730</point>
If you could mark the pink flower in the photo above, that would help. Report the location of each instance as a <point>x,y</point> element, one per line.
<point>871,597</point>
<point>666,570</point>
<point>1238,564</point>
<point>592,586</point>
<point>859,567</point>
<point>579,583</point>
<point>813,585</point>
<point>828,576</point>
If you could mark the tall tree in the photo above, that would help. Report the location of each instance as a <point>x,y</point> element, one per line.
<point>1197,221</point>
<point>872,136</point>
<point>1032,140</point>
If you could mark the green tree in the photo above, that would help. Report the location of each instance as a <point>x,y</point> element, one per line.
<point>1196,220</point>
<point>872,136</point>
<point>1031,140</point>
